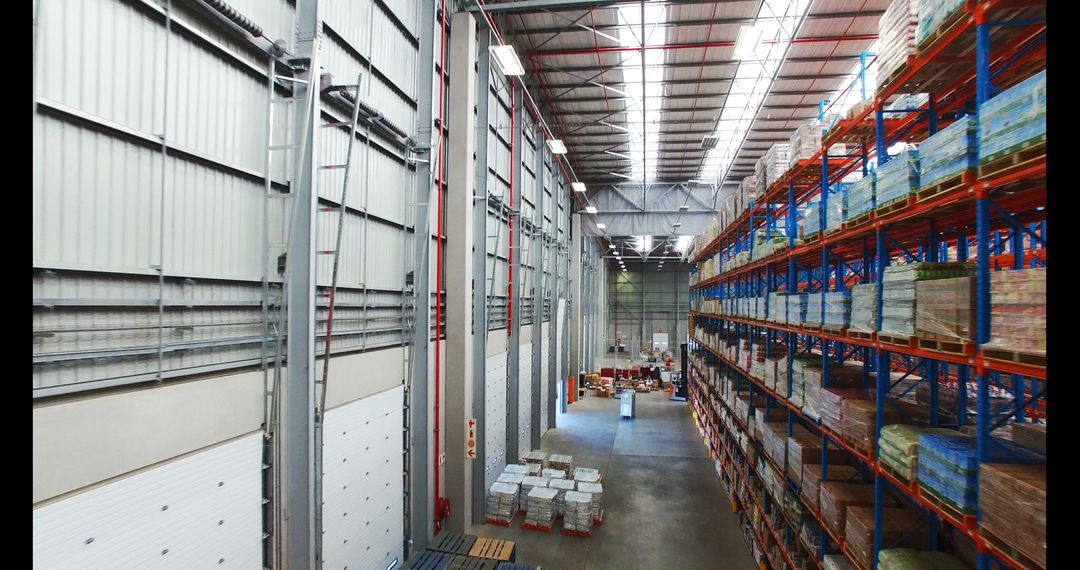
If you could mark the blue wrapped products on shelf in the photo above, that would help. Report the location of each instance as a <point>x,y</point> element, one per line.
<point>1014,119</point>
<point>948,153</point>
<point>898,177</point>
<point>860,197</point>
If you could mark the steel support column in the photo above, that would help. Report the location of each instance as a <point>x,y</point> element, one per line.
<point>574,298</point>
<point>537,253</point>
<point>513,424</point>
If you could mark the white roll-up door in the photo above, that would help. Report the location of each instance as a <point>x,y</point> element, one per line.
<point>495,418</point>
<point>525,379</point>
<point>200,511</point>
<point>545,376</point>
<point>363,483</point>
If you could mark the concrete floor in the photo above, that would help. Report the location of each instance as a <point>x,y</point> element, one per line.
<point>664,506</point>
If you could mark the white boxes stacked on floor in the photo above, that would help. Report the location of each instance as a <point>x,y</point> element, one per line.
<point>544,488</point>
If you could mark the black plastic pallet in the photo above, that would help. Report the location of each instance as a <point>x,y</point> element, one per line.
<point>513,566</point>
<point>461,562</point>
<point>454,543</point>
<point>430,560</point>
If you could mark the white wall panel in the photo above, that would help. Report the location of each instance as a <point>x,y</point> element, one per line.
<point>495,417</point>
<point>373,90</point>
<point>200,511</point>
<point>525,378</point>
<point>363,484</point>
<point>546,374</point>
<point>377,182</point>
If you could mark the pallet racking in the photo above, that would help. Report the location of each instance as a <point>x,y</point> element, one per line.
<point>998,211</point>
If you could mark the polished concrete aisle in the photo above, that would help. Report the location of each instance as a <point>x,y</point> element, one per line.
<point>664,506</point>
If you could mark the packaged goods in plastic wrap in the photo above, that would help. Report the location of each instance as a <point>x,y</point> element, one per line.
<point>772,165</point>
<point>577,511</point>
<point>748,186</point>
<point>586,474</point>
<point>932,15</point>
<point>907,104</point>
<point>830,403</point>
<point>836,562</point>
<point>796,308</point>
<point>897,178</point>
<point>774,441</point>
<point>811,222</point>
<point>896,32</point>
<point>777,307</point>
<point>864,308</point>
<point>553,474</point>
<point>535,456</point>
<point>860,422</point>
<point>811,479</point>
<point>540,508</point>
<point>948,468</point>
<point>762,419</point>
<point>516,468</point>
<point>513,478</point>
<point>948,153</point>
<point>799,367</point>
<point>528,484</point>
<point>1018,310</point>
<point>502,502</point>
<point>945,308</point>
<point>899,294</point>
<point>813,310</point>
<point>1031,436</point>
<point>1012,499</point>
<point>836,210</point>
<point>596,491</point>
<point>836,497</point>
<point>562,486</point>
<point>1014,119</point>
<point>897,523</point>
<point>910,559</point>
<point>805,142</point>
<point>898,447</point>
<point>860,197</point>
<point>804,448</point>
<point>837,309</point>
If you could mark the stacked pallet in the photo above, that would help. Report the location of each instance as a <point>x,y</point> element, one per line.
<point>933,14</point>
<point>512,478</point>
<point>1013,120</point>
<point>836,209</point>
<point>1012,499</point>
<point>1018,311</point>
<point>561,486</point>
<point>596,491</point>
<point>811,480</point>
<point>864,308</point>
<point>897,523</point>
<point>553,473</point>
<point>897,178</point>
<point>587,475</point>
<point>945,309</point>
<point>948,153</point>
<point>837,309</point>
<point>535,457</point>
<point>515,468</point>
<point>804,450</point>
<point>836,497</point>
<point>897,32</point>
<point>774,441</point>
<point>948,470</point>
<point>861,196</point>
<point>541,509</point>
<point>502,503</point>
<point>805,142</point>
<point>899,305</point>
<point>910,559</point>
<point>527,485</point>
<point>772,165</point>
<point>859,419</point>
<point>577,513</point>
<point>796,308</point>
<point>898,448</point>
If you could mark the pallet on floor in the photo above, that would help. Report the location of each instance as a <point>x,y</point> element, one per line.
<point>1013,159</point>
<point>494,549</point>
<point>461,562</point>
<point>429,560</point>
<point>581,533</point>
<point>453,543</point>
<point>530,526</point>
<point>1017,356</point>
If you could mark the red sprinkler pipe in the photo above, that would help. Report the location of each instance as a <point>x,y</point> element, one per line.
<point>440,504</point>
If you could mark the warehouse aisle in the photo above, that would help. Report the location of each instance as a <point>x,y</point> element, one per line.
<point>664,506</point>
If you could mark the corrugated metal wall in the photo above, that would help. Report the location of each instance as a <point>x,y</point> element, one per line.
<point>643,301</point>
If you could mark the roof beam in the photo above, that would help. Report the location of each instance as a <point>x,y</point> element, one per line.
<point>716,22</point>
<point>696,65</point>
<point>601,112</point>
<point>711,80</point>
<point>534,6</point>
<point>691,45</point>
<point>693,95</point>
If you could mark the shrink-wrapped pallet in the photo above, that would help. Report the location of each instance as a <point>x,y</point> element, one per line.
<point>553,474</point>
<point>577,512</point>
<point>948,153</point>
<point>502,502</point>
<point>859,419</point>
<point>805,142</point>
<point>911,559</point>
<point>860,198</point>
<point>837,497</point>
<point>837,309</point>
<point>586,474</point>
<point>1031,436</point>
<point>836,562</point>
<point>836,208</point>
<point>896,32</point>
<point>945,309</point>
<point>596,491</point>
<point>1018,310</point>
<point>828,402</point>
<point>796,308</point>
<point>1012,499</point>
<point>1014,119</point>
<point>897,178</point>
<point>804,450</point>
<point>516,468</point>
<point>897,523</point>
<point>811,480</point>
<point>898,448</point>
<point>777,307</point>
<point>811,222</point>
<point>933,14</point>
<point>561,486</point>
<point>899,295</point>
<point>864,308</point>
<point>948,469</point>
<point>774,441</point>
<point>540,509</point>
<point>528,484</point>
<point>513,478</point>
<point>535,456</point>
<point>813,310</point>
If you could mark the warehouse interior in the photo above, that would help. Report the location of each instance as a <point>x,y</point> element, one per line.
<point>523,284</point>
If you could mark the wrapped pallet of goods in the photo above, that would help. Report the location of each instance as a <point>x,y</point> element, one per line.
<point>540,511</point>
<point>796,308</point>
<point>804,449</point>
<point>777,307</point>
<point>899,301</point>
<point>863,308</point>
<point>577,513</point>
<point>837,310</point>
<point>898,523</point>
<point>1012,499</point>
<point>836,562</point>
<point>830,403</point>
<point>519,469</point>
<point>836,210</point>
<point>748,187</point>
<point>896,30</point>
<point>512,478</point>
<point>945,309</point>
<point>797,395</point>
<point>561,486</point>
<point>948,154</point>
<point>1017,312</point>
<point>805,142</point>
<point>860,196</point>
<point>810,486</point>
<point>898,448</point>
<point>811,222</point>
<point>836,497</point>
<point>561,461</point>
<point>527,485</point>
<point>859,419</point>
<point>774,441</point>
<point>814,310</point>
<point>911,559</point>
<point>898,178</point>
<point>934,15</point>
<point>596,491</point>
<point>587,475</point>
<point>774,164</point>
<point>1013,120</point>
<point>948,470</point>
<point>502,503</point>
<point>553,473</point>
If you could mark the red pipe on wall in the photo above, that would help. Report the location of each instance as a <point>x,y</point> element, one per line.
<point>439,503</point>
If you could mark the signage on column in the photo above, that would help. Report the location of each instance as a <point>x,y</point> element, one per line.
<point>470,444</point>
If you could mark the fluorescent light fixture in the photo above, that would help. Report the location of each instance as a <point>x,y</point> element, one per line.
<point>746,44</point>
<point>590,209</point>
<point>578,186</point>
<point>611,245</point>
<point>708,142</point>
<point>624,270</point>
<point>676,224</point>
<point>507,60</point>
<point>684,208</point>
<point>601,226</point>
<point>556,146</point>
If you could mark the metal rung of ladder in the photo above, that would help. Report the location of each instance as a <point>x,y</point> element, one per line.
<point>287,99</point>
<point>338,124</point>
<point>333,166</point>
<point>283,146</point>
<point>292,79</point>
<point>330,209</point>
<point>280,195</point>
<point>325,252</point>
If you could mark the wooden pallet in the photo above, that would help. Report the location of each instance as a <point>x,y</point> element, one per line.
<point>862,335</point>
<point>896,474</point>
<point>1011,551</point>
<point>1012,159</point>
<point>834,329</point>
<point>858,221</point>
<point>899,340</point>
<point>494,549</point>
<point>812,239</point>
<point>942,30</point>
<point>1029,358</point>
<point>952,346</point>
<point>950,507</point>
<point>454,543</point>
<point>950,184</point>
<point>461,562</point>
<point>541,528</point>
<point>895,206</point>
